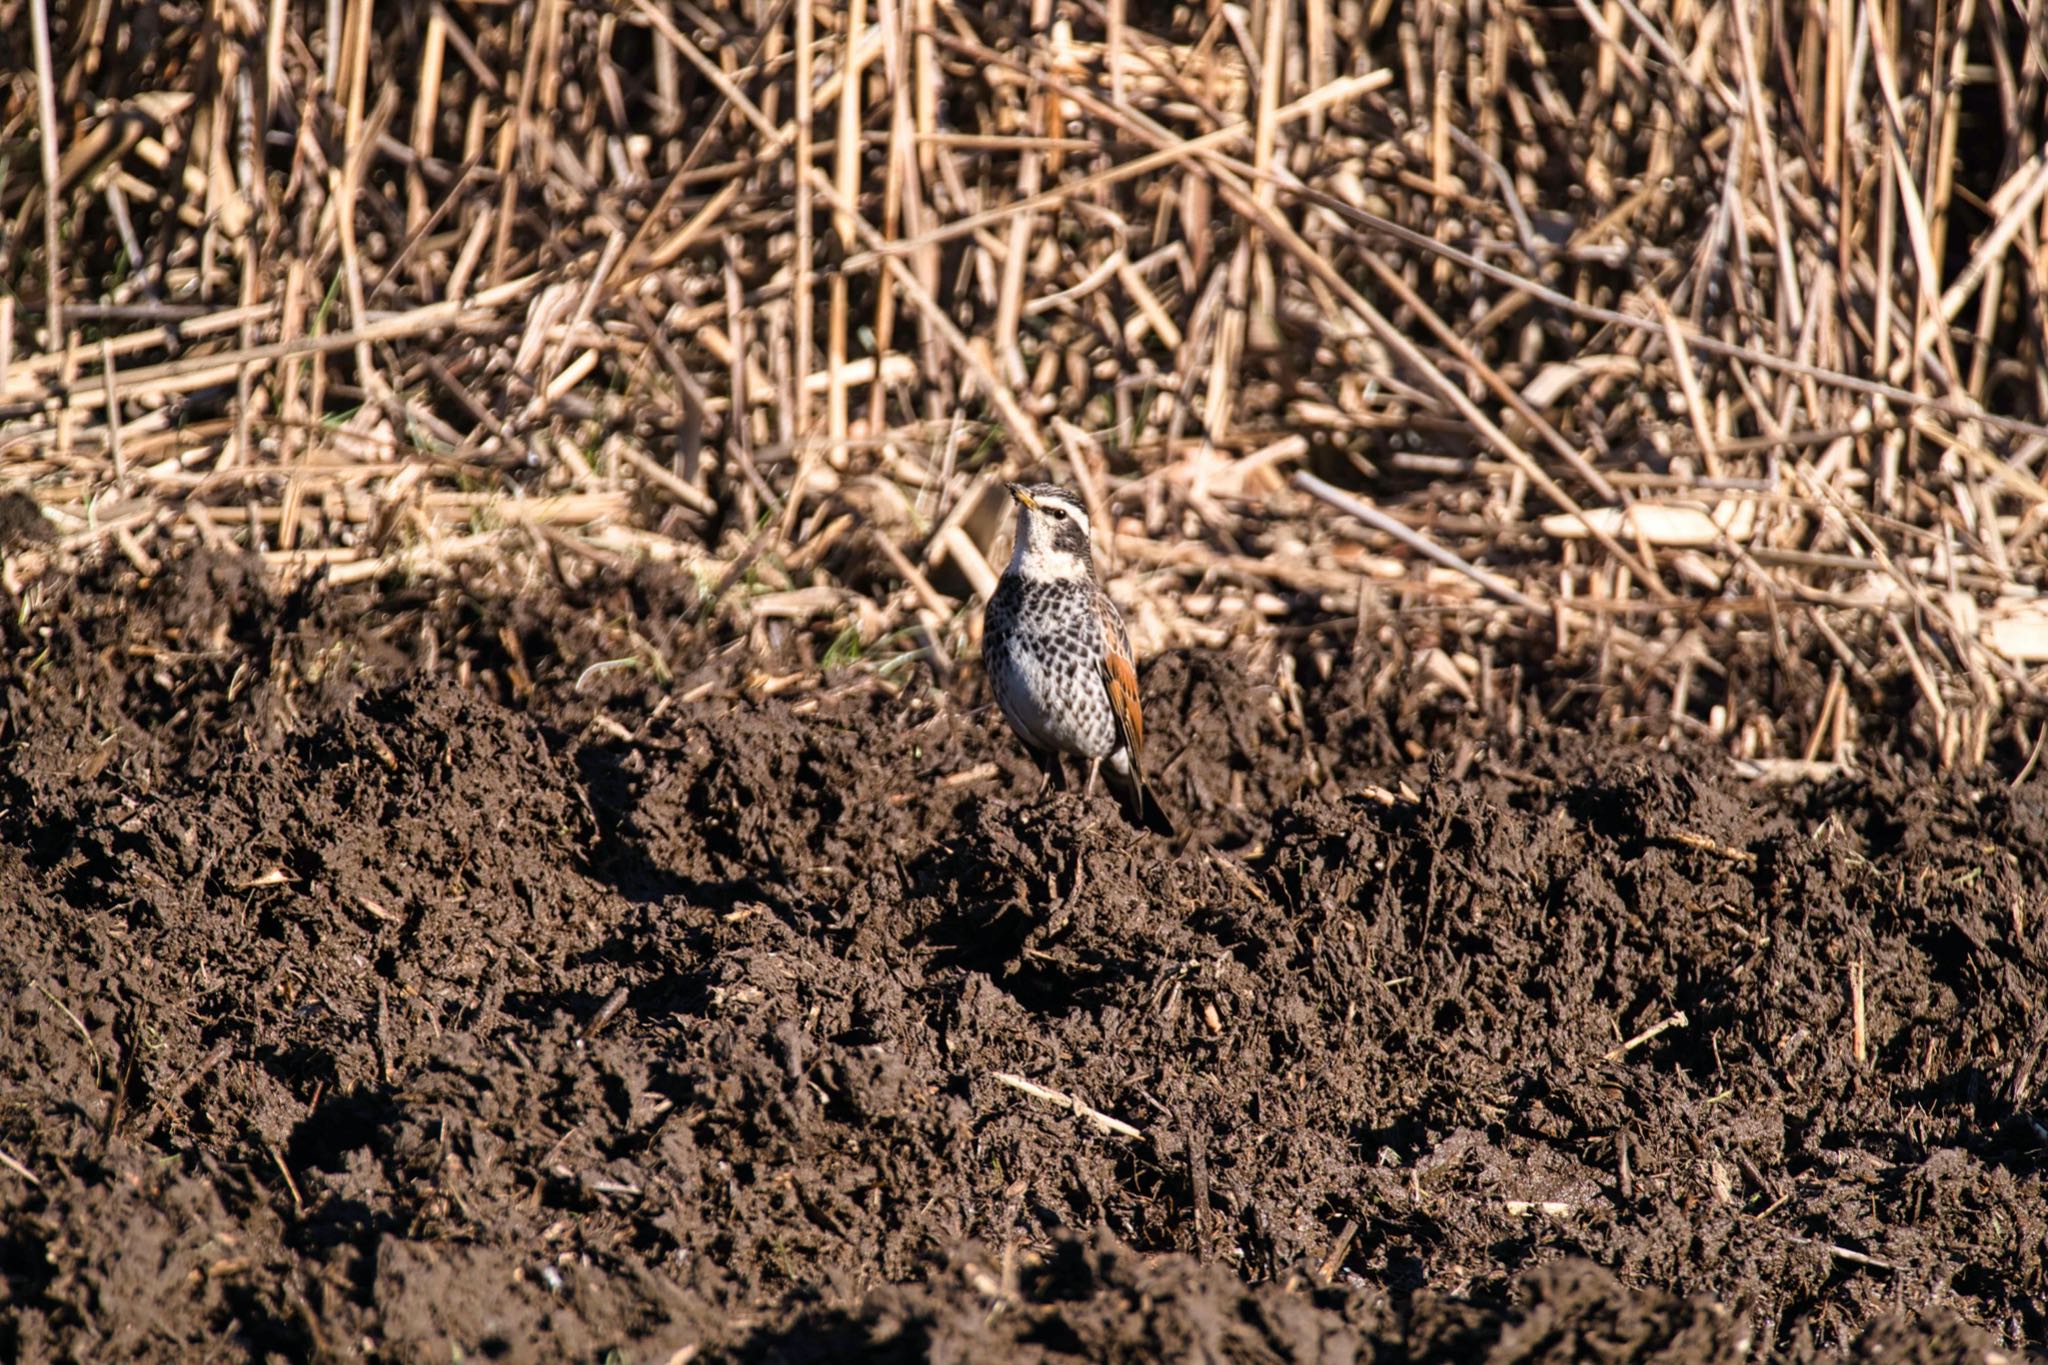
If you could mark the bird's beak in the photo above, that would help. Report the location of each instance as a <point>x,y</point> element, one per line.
<point>1022,496</point>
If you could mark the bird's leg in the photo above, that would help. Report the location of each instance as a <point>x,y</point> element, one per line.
<point>1094,771</point>
<point>1052,772</point>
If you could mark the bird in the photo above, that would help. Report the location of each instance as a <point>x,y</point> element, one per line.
<point>1058,656</point>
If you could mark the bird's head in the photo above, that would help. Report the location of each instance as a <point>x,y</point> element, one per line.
<point>1052,532</point>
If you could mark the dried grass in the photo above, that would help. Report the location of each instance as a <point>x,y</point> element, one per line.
<point>1664,334</point>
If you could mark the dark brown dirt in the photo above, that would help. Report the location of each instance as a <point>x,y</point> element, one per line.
<point>378,984</point>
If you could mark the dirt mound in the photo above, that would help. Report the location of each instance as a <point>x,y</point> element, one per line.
<point>382,982</point>
<point>1099,1301</point>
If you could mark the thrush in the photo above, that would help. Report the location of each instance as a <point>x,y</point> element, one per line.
<point>1059,658</point>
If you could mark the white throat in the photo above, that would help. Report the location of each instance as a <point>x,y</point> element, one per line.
<point>1036,557</point>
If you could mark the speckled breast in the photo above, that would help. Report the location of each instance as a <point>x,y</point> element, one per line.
<point>1042,646</point>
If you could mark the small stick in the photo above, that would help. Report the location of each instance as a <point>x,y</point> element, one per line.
<point>383,1038</point>
<point>46,118</point>
<point>1914,211</point>
<point>1675,1019</point>
<point>1842,1253</point>
<point>24,1172</point>
<point>1114,1126</point>
<point>846,176</point>
<point>1010,299</point>
<point>606,1012</point>
<point>1272,56</point>
<point>935,602</point>
<point>2033,758</point>
<point>1611,45</point>
<point>1334,1262</point>
<point>1921,677</point>
<point>1115,55</point>
<point>432,52</point>
<point>1860,1038</point>
<point>1756,1177</point>
<point>806,246</point>
<point>1079,444</point>
<point>1689,386</point>
<point>1774,197</point>
<point>1707,845</point>
<point>298,1204</point>
<point>688,494</point>
<point>2021,204</point>
<point>899,181</point>
<point>114,445</point>
<point>346,183</point>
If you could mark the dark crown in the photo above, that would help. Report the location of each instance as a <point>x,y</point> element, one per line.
<point>1052,492</point>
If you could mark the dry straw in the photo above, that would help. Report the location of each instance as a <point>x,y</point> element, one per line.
<point>1698,345</point>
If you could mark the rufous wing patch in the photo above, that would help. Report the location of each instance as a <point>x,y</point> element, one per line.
<point>1122,681</point>
<point>1120,678</point>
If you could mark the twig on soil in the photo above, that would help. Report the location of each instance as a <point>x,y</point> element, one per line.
<point>606,1012</point>
<point>24,1172</point>
<point>1785,771</point>
<point>1334,1261</point>
<point>1675,1019</point>
<point>980,772</point>
<point>2033,755</point>
<point>1842,1253</point>
<point>1713,846</point>
<point>1755,1176</point>
<point>298,1204</point>
<point>383,1033</point>
<point>1114,1126</point>
<point>1859,1035</point>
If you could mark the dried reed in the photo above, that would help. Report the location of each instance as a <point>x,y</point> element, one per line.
<point>1669,335</point>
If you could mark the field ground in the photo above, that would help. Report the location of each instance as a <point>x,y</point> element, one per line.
<point>383,983</point>
<point>504,852</point>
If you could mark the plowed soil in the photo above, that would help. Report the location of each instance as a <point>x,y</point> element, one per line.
<point>383,981</point>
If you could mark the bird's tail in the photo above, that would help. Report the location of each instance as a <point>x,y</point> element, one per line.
<point>1127,784</point>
